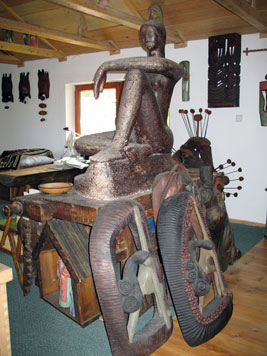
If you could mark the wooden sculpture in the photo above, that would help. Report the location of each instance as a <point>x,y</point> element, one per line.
<point>121,296</point>
<point>141,146</point>
<point>7,89</point>
<point>43,91</point>
<point>192,267</point>
<point>24,87</point>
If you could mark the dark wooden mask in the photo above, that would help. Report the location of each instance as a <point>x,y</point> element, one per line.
<point>7,88</point>
<point>24,87</point>
<point>43,85</point>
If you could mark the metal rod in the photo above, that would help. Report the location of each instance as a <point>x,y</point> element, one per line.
<point>207,123</point>
<point>201,123</point>
<point>237,170</point>
<point>187,118</point>
<point>181,111</point>
<point>238,188</point>
<point>240,179</point>
<point>193,121</point>
<point>247,51</point>
<point>188,121</point>
<point>222,165</point>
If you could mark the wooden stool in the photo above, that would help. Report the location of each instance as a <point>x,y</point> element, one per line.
<point>15,246</point>
<point>6,275</point>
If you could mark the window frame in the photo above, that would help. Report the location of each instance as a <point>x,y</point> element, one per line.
<point>82,87</point>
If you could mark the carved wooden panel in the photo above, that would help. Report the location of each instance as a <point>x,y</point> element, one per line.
<point>224,70</point>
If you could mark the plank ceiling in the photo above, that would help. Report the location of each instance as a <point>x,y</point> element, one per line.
<point>72,27</point>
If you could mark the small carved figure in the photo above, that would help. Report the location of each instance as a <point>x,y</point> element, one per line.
<point>43,85</point>
<point>146,95</point>
<point>7,88</point>
<point>24,87</point>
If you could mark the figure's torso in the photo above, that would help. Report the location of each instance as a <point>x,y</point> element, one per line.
<point>162,87</point>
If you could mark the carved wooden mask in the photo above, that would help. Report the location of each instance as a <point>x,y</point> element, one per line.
<point>43,85</point>
<point>7,88</point>
<point>24,87</point>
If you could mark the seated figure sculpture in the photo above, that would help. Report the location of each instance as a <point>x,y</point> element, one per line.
<point>142,135</point>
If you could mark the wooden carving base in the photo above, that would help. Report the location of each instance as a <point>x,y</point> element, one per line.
<point>121,178</point>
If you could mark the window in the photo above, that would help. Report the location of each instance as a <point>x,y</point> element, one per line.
<point>93,116</point>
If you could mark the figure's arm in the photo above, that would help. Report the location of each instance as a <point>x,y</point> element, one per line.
<point>157,65</point>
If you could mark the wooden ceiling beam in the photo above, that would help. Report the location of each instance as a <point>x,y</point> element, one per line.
<point>53,34</point>
<point>10,59</point>
<point>132,8</point>
<point>91,8</point>
<point>34,51</point>
<point>19,18</point>
<point>246,12</point>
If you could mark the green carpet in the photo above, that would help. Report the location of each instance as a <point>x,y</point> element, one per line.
<point>38,329</point>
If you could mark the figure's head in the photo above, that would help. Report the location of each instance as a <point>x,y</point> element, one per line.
<point>152,37</point>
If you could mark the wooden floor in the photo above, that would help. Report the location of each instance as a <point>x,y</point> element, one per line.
<point>246,332</point>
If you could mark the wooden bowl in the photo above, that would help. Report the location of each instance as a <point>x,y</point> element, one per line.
<point>55,187</point>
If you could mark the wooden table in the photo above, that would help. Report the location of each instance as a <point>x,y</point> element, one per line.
<point>14,182</point>
<point>53,226</point>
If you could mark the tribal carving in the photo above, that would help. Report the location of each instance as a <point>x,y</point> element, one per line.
<point>224,70</point>
<point>24,87</point>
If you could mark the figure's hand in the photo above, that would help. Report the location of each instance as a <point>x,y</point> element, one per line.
<point>99,81</point>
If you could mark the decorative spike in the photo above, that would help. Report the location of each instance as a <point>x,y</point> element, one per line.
<point>238,188</point>
<point>238,170</point>
<point>187,124</point>
<point>240,179</point>
<point>229,194</point>
<point>221,165</point>
<point>230,165</point>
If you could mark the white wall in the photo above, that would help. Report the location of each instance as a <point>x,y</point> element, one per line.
<point>244,142</point>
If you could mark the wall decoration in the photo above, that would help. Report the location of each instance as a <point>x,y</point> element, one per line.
<point>224,70</point>
<point>7,35</point>
<point>186,81</point>
<point>7,89</point>
<point>155,13</point>
<point>43,87</point>
<point>263,102</point>
<point>26,39</point>
<point>197,126</point>
<point>30,40</point>
<point>24,87</point>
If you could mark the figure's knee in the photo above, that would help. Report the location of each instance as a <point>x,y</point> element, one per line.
<point>135,75</point>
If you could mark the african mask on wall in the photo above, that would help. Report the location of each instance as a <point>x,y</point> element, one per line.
<point>7,89</point>
<point>43,87</point>
<point>224,70</point>
<point>24,87</point>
